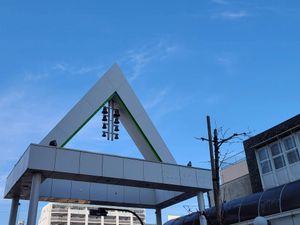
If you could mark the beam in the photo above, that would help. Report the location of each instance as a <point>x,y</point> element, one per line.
<point>71,164</point>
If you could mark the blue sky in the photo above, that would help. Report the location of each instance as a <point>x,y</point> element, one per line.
<point>235,60</point>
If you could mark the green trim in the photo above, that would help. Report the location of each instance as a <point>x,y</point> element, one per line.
<point>85,122</point>
<point>138,127</point>
<point>132,118</point>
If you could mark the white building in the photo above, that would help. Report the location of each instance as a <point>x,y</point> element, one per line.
<point>76,214</point>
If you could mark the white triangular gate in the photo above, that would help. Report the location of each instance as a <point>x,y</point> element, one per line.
<point>113,85</point>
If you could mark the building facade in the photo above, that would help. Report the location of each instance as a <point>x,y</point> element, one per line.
<point>235,182</point>
<point>272,170</point>
<point>273,156</point>
<point>77,214</point>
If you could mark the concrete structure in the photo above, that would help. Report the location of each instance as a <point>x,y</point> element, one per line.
<point>237,188</point>
<point>235,182</point>
<point>71,175</point>
<point>113,86</point>
<point>234,171</point>
<point>68,214</point>
<point>58,174</point>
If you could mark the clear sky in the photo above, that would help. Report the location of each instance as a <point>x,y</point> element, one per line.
<point>238,61</point>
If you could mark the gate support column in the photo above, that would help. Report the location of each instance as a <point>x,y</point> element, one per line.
<point>34,198</point>
<point>201,205</point>
<point>158,216</point>
<point>14,210</point>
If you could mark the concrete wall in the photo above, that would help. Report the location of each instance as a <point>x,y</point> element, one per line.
<point>233,172</point>
<point>234,189</point>
<point>235,182</point>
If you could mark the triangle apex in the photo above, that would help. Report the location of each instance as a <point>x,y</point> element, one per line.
<point>115,65</point>
<point>116,70</point>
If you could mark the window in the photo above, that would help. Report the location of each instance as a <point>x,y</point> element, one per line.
<point>279,161</point>
<point>291,150</point>
<point>277,155</point>
<point>298,135</point>
<point>264,160</point>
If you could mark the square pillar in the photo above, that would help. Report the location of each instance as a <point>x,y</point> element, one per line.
<point>158,216</point>
<point>102,220</point>
<point>13,210</point>
<point>69,216</point>
<point>34,198</point>
<point>117,218</point>
<point>201,205</point>
<point>86,216</point>
<point>131,219</point>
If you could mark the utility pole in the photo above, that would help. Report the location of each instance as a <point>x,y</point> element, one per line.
<point>214,161</point>
<point>211,151</point>
<point>217,178</point>
<point>215,143</point>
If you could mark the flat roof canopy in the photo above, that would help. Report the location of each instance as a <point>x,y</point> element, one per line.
<point>71,175</point>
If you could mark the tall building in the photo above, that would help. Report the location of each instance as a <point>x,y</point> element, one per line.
<point>76,214</point>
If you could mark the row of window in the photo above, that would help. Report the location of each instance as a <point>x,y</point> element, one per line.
<point>282,152</point>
